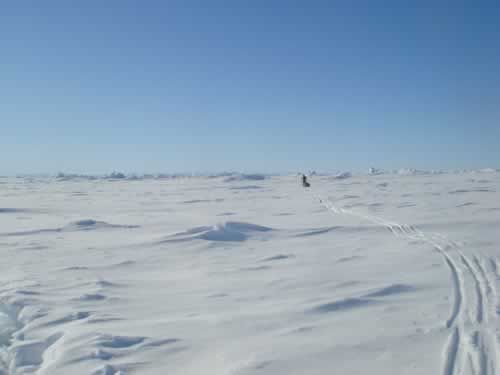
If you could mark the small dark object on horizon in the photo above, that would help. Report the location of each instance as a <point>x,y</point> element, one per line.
<point>304,181</point>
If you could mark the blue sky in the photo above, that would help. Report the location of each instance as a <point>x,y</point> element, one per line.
<point>271,86</point>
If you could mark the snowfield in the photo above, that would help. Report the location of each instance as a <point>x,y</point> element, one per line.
<point>376,274</point>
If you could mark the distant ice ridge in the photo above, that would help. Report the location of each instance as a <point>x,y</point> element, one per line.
<point>119,176</point>
<point>246,177</point>
<point>342,176</point>
<point>229,176</point>
<point>73,176</point>
<point>488,170</point>
<point>416,172</point>
<point>373,171</point>
<point>241,177</point>
<point>420,172</point>
<point>402,172</point>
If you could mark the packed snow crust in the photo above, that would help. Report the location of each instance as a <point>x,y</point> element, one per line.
<point>382,273</point>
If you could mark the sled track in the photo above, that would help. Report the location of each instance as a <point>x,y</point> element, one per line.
<point>471,348</point>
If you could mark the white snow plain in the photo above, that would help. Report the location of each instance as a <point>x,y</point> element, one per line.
<point>376,274</point>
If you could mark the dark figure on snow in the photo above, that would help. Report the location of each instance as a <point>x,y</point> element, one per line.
<point>304,181</point>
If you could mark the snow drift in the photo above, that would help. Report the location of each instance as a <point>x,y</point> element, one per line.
<point>228,231</point>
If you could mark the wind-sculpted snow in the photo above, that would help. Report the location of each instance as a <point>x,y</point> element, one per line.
<point>390,290</point>
<point>277,257</point>
<point>344,304</point>
<point>315,232</point>
<point>77,226</point>
<point>6,210</point>
<point>90,224</point>
<point>380,273</point>
<point>247,187</point>
<point>365,300</point>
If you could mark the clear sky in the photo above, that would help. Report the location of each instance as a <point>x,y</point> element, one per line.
<point>200,86</point>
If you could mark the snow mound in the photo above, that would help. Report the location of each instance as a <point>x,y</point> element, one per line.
<point>232,231</point>
<point>228,231</point>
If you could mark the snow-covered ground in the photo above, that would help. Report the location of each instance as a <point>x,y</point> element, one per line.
<point>379,274</point>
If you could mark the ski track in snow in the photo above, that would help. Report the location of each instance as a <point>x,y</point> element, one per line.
<point>471,348</point>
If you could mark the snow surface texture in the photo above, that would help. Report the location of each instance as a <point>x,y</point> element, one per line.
<point>376,274</point>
